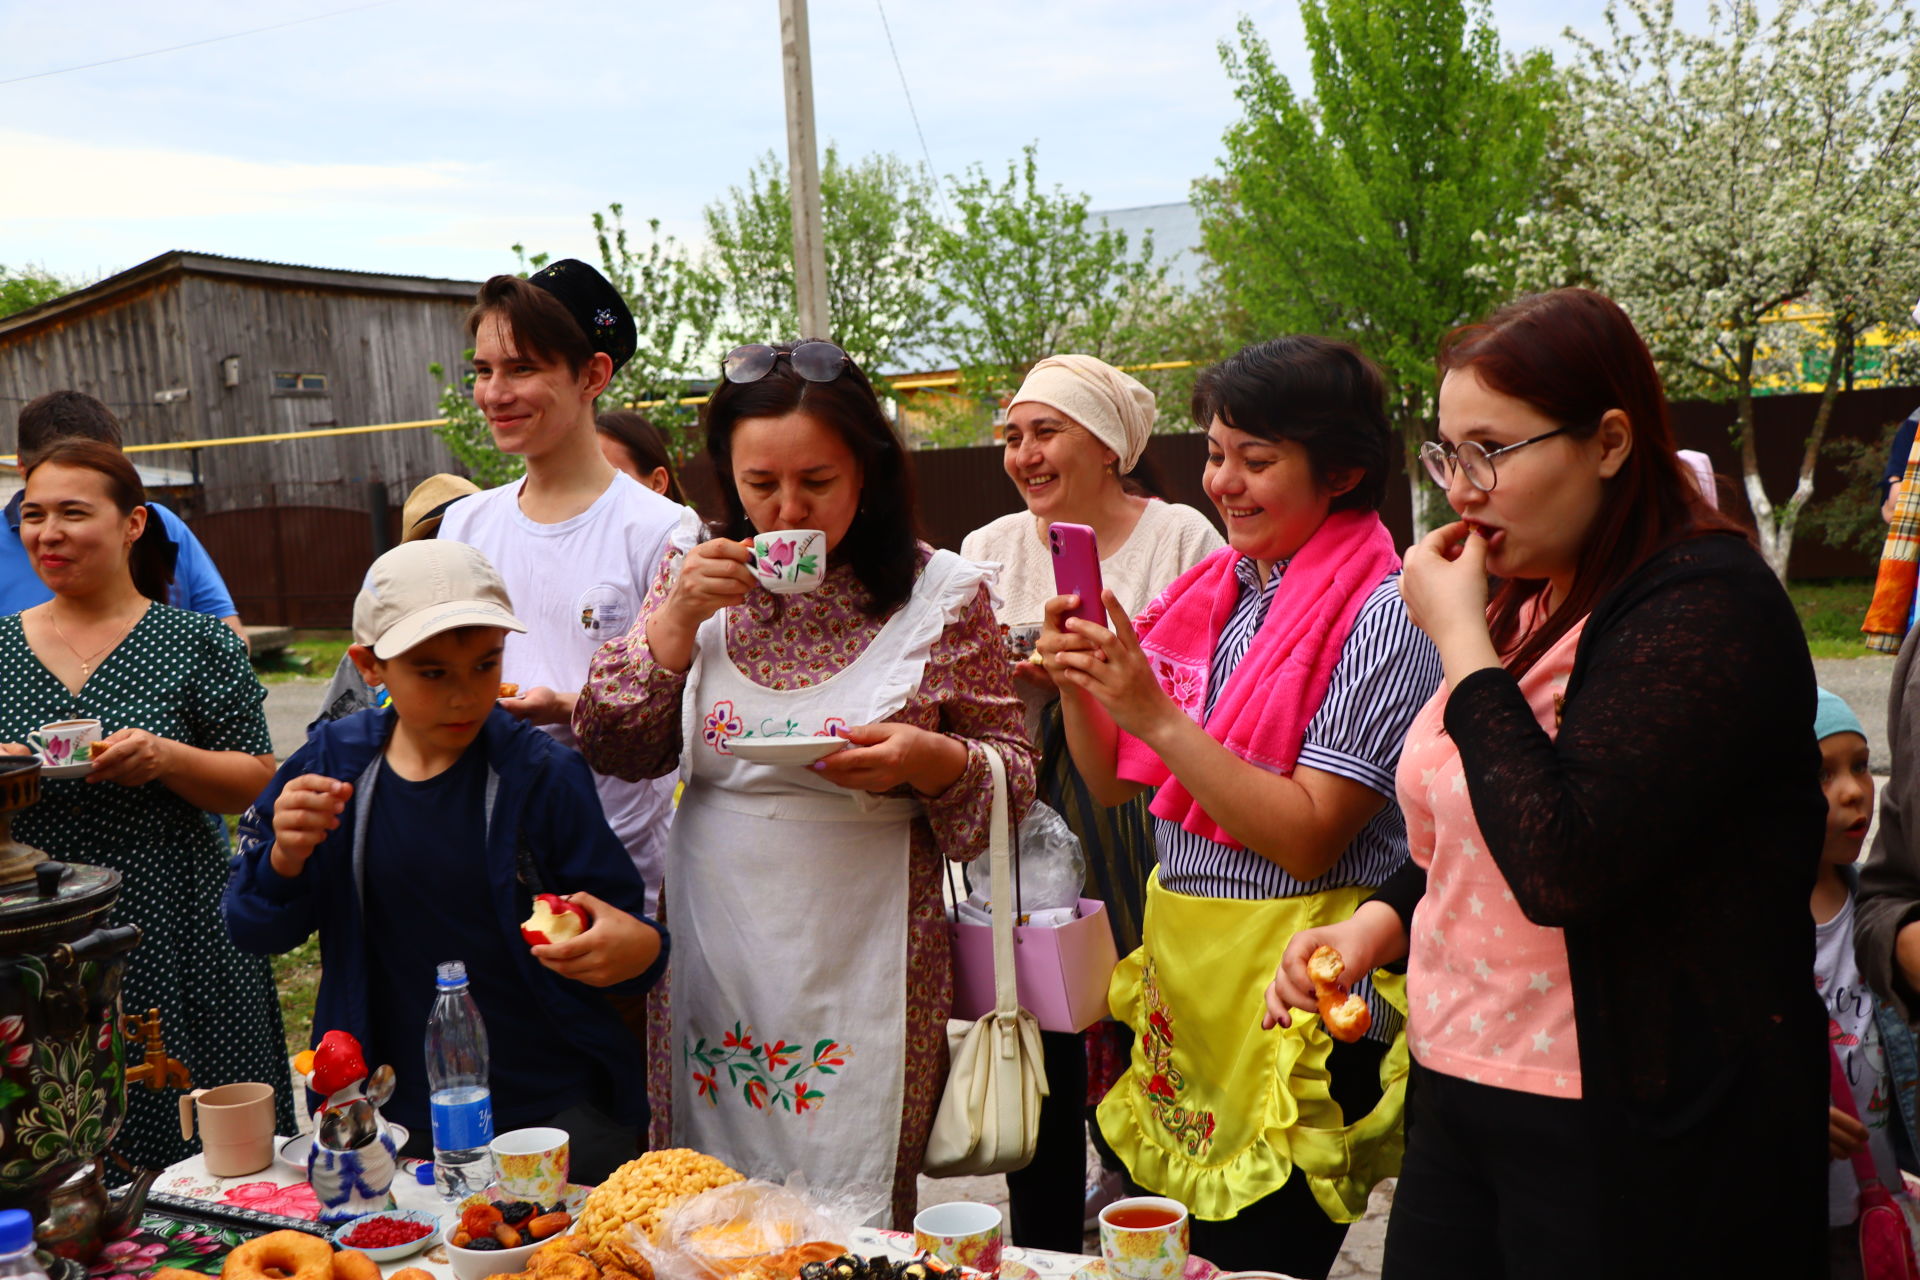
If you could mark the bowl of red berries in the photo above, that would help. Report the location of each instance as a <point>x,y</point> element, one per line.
<point>389,1235</point>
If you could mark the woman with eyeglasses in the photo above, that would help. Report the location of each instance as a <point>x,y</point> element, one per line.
<point>811,980</point>
<point>1615,814</point>
<point>1261,699</point>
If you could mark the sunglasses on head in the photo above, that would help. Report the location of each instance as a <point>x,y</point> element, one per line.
<point>814,361</point>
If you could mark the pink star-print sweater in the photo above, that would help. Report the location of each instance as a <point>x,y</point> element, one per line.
<point>1487,989</point>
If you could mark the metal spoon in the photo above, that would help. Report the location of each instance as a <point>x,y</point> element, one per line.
<point>348,1127</point>
<point>380,1085</point>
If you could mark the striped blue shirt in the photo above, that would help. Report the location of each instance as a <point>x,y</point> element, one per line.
<point>1386,672</point>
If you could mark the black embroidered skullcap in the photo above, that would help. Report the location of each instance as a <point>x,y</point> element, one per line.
<point>595,305</point>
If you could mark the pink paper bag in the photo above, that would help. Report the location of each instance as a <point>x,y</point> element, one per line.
<point>1061,973</point>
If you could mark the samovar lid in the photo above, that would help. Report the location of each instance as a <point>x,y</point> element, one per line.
<point>62,900</point>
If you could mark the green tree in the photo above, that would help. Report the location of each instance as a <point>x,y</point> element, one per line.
<point>23,287</point>
<point>880,264</point>
<point>1363,212</point>
<point>1030,273</point>
<point>676,310</point>
<point>1713,179</point>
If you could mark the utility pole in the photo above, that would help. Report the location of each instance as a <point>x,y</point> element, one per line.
<point>803,174</point>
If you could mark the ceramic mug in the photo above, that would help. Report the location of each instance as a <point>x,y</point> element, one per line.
<point>64,741</point>
<point>962,1233</point>
<point>788,561</point>
<point>236,1127</point>
<point>1145,1238</point>
<point>532,1164</point>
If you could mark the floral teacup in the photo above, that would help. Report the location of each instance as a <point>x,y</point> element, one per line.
<point>1145,1238</point>
<point>788,561</point>
<point>64,741</point>
<point>962,1233</point>
<point>533,1163</point>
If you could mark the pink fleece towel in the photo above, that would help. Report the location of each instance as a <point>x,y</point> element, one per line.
<point>1270,698</point>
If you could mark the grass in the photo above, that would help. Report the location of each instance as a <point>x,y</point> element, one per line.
<point>297,973</point>
<point>1831,611</point>
<point>312,653</point>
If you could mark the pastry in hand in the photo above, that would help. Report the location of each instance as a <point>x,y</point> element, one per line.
<point>1345,1016</point>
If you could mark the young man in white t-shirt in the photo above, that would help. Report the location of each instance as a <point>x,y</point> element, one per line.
<point>576,541</point>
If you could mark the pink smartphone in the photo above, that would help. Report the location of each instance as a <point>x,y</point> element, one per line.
<point>1076,569</point>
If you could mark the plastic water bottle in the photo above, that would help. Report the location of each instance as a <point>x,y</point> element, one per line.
<point>462,1100</point>
<point>16,1246</point>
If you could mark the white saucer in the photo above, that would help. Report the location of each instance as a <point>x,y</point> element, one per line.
<point>78,769</point>
<point>293,1152</point>
<point>785,750</point>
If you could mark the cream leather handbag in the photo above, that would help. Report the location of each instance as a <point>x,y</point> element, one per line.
<point>989,1114</point>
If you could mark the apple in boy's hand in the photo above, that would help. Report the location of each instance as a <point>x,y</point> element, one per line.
<point>554,919</point>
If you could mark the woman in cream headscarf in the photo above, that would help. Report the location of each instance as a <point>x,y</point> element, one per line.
<point>1074,428</point>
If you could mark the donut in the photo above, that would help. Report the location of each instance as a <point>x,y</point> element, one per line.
<point>292,1253</point>
<point>412,1273</point>
<point>351,1264</point>
<point>1345,1016</point>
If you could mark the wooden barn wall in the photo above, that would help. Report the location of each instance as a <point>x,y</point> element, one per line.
<point>122,352</point>
<point>374,349</point>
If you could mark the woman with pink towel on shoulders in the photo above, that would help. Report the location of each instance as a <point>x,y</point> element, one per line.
<point>1263,696</point>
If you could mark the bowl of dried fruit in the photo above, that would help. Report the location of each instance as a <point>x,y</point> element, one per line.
<point>495,1237</point>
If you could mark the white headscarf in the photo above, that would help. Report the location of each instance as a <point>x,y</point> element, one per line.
<point>1113,406</point>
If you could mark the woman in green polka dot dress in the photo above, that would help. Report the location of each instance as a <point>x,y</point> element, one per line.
<point>184,739</point>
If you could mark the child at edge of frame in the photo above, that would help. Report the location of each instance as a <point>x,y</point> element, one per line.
<point>421,833</point>
<point>1874,1047</point>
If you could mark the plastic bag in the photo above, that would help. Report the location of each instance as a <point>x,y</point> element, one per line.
<point>1050,868</point>
<point>751,1230</point>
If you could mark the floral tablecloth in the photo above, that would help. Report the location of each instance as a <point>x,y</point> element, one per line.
<point>277,1189</point>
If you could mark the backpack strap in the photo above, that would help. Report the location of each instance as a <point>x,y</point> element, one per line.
<point>1863,1166</point>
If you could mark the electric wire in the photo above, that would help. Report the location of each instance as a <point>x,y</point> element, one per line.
<point>194,44</point>
<point>912,113</point>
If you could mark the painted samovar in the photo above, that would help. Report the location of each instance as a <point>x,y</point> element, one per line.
<point>63,1038</point>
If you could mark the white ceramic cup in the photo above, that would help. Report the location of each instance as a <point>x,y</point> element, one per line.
<point>789,561</point>
<point>64,741</point>
<point>961,1232</point>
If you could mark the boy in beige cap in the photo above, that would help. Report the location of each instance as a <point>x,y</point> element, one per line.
<point>422,833</point>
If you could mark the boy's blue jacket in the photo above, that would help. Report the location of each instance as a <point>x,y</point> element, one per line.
<point>545,834</point>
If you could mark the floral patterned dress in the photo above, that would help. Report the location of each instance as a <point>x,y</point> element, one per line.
<point>629,723</point>
<point>182,676</point>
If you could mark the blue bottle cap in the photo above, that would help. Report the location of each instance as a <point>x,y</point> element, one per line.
<point>451,973</point>
<point>16,1230</point>
<point>423,1173</point>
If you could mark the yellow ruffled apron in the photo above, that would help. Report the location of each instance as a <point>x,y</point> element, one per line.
<point>1215,1112</point>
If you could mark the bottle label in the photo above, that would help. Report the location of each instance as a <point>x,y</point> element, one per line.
<point>463,1126</point>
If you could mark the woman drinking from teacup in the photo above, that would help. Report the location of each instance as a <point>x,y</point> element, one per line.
<point>811,979</point>
<point>183,739</point>
<point>1075,428</point>
<point>1262,697</point>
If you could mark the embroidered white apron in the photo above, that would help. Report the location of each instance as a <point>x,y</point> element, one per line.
<point>788,901</point>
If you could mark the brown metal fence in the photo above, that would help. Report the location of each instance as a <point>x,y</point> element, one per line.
<point>295,554</point>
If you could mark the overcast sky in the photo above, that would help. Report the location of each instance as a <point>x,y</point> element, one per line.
<point>426,136</point>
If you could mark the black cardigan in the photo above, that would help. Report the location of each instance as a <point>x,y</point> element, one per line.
<point>1672,828</point>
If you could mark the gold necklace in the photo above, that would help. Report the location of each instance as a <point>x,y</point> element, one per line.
<point>86,664</point>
